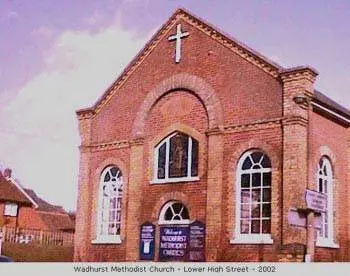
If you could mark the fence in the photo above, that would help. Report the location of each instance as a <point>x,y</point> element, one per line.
<point>31,236</point>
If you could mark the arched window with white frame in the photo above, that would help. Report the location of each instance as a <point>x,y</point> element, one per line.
<point>176,159</point>
<point>110,206</point>
<point>174,212</point>
<point>253,198</point>
<point>325,186</point>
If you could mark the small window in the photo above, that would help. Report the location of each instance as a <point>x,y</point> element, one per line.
<point>176,159</point>
<point>11,209</point>
<point>174,212</point>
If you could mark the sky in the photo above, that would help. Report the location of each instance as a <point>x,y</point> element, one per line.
<point>59,56</point>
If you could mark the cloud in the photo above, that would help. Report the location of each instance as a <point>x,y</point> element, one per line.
<point>94,19</point>
<point>38,128</point>
<point>45,32</point>
<point>12,15</point>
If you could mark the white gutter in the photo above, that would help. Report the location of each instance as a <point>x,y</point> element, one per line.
<point>331,112</point>
<point>23,191</point>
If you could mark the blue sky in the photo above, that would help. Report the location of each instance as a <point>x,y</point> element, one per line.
<point>59,56</point>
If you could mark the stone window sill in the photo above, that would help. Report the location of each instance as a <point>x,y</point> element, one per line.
<point>175,180</point>
<point>252,239</point>
<point>107,240</point>
<point>328,243</point>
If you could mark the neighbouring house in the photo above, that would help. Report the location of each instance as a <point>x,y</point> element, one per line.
<point>203,149</point>
<point>22,208</point>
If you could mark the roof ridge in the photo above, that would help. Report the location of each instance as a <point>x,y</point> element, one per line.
<point>22,190</point>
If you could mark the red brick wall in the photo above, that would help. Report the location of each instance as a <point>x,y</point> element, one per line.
<point>330,138</point>
<point>30,219</point>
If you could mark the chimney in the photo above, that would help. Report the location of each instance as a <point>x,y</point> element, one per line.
<point>7,173</point>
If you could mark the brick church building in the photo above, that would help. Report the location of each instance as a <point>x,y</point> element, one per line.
<point>199,128</point>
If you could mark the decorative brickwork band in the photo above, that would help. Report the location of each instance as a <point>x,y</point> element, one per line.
<point>183,81</point>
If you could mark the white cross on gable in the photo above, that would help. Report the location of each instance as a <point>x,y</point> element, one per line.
<point>177,37</point>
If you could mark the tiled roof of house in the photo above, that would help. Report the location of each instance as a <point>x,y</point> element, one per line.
<point>57,221</point>
<point>55,217</point>
<point>44,205</point>
<point>10,192</point>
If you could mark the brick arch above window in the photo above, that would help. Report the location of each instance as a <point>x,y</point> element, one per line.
<point>185,81</point>
<point>110,161</point>
<point>271,151</point>
<point>172,196</point>
<point>325,151</point>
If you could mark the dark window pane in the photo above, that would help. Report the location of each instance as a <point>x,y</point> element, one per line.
<point>247,164</point>
<point>114,171</point>
<point>161,161</point>
<point>185,214</point>
<point>325,187</point>
<point>266,163</point>
<point>255,226</point>
<point>256,156</point>
<point>266,226</point>
<point>177,207</point>
<point>320,163</point>
<point>168,214</point>
<point>325,170</point>
<point>177,217</point>
<point>267,195</point>
<point>256,167</point>
<point>256,179</point>
<point>320,186</point>
<point>256,195</point>
<point>244,226</point>
<point>107,177</point>
<point>245,180</point>
<point>266,211</point>
<point>245,211</point>
<point>245,196</point>
<point>194,165</point>
<point>118,229</point>
<point>178,156</point>
<point>267,179</point>
<point>256,210</point>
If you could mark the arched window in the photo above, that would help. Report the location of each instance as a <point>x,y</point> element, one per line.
<point>253,198</point>
<point>174,212</point>
<point>325,186</point>
<point>109,209</point>
<point>176,159</point>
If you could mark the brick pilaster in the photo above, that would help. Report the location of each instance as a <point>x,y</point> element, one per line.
<point>348,192</point>
<point>134,196</point>
<point>82,229</point>
<point>214,194</point>
<point>297,91</point>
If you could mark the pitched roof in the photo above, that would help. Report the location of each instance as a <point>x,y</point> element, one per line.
<point>57,221</point>
<point>10,192</point>
<point>54,216</point>
<point>236,46</point>
<point>44,205</point>
<point>225,39</point>
<point>323,99</point>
